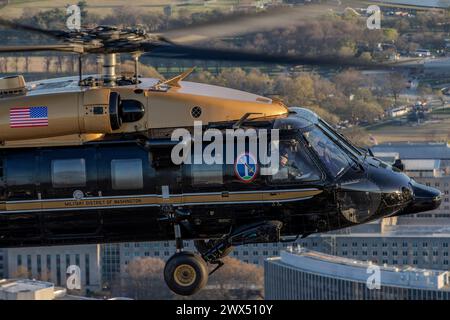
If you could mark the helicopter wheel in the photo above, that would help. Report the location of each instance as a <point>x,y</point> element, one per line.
<point>185,273</point>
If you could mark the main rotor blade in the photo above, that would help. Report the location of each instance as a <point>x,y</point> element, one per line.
<point>18,26</point>
<point>174,51</point>
<point>56,47</point>
<point>239,24</point>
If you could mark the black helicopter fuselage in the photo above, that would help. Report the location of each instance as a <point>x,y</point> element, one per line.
<point>119,190</point>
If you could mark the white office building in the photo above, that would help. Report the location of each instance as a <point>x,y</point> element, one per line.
<point>308,275</point>
<point>51,263</point>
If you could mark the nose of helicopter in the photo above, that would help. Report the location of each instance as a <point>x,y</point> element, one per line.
<point>424,198</point>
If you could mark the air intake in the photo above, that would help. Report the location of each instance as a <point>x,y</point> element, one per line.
<point>12,86</point>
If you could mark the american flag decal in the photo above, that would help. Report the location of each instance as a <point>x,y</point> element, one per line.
<point>26,117</point>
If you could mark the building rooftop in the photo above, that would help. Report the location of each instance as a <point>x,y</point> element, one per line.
<point>26,289</point>
<point>357,270</point>
<point>421,164</point>
<point>14,286</point>
<point>393,231</point>
<point>415,150</point>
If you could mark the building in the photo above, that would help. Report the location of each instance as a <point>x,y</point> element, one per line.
<point>420,246</point>
<point>398,111</point>
<point>428,163</point>
<point>26,290</point>
<point>428,168</point>
<point>309,275</point>
<point>51,263</point>
<point>415,150</point>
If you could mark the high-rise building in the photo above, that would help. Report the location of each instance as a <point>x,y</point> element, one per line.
<point>309,275</point>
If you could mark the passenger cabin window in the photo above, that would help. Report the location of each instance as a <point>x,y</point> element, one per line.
<point>294,164</point>
<point>69,173</point>
<point>127,174</point>
<point>203,174</point>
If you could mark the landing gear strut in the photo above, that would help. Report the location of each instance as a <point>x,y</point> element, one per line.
<point>186,273</point>
<point>215,250</point>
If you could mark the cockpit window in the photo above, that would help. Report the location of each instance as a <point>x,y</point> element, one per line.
<point>343,140</point>
<point>295,165</point>
<point>331,155</point>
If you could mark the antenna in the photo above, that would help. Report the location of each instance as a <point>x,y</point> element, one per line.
<point>136,66</point>
<point>80,69</point>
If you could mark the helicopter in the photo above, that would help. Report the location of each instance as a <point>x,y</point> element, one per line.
<point>88,159</point>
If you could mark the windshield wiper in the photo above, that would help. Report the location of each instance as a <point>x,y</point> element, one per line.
<point>340,171</point>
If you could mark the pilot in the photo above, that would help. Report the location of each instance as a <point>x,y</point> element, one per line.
<point>288,169</point>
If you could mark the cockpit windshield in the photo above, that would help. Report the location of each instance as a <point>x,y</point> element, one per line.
<point>330,153</point>
<point>295,164</point>
<point>343,140</point>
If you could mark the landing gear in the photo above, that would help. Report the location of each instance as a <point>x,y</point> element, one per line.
<point>186,273</point>
<point>261,232</point>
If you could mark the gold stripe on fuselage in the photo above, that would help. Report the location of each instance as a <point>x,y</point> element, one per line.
<point>158,200</point>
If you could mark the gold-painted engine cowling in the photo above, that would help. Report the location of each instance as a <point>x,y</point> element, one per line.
<point>98,111</point>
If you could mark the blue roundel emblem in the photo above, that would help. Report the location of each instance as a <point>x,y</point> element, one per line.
<point>246,167</point>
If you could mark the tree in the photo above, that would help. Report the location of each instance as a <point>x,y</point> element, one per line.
<point>143,279</point>
<point>83,8</point>
<point>21,273</point>
<point>390,34</point>
<point>45,275</point>
<point>349,81</point>
<point>396,83</point>
<point>235,280</point>
<point>27,64</point>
